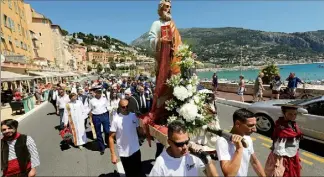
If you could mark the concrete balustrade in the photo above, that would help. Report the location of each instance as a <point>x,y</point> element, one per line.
<point>232,88</point>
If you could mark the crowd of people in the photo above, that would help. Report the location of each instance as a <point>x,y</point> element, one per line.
<point>116,103</point>
<point>276,85</point>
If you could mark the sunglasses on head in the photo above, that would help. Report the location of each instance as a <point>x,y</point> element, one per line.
<point>180,144</point>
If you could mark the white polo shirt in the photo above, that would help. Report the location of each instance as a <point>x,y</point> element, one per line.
<point>98,106</point>
<point>126,133</point>
<point>62,101</point>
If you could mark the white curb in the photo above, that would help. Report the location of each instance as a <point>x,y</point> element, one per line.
<point>233,103</point>
<point>31,111</point>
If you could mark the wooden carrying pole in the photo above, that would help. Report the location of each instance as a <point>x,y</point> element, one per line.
<point>93,130</point>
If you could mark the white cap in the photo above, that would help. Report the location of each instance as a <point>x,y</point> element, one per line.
<point>128,91</point>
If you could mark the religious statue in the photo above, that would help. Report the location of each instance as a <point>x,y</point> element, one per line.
<point>164,39</point>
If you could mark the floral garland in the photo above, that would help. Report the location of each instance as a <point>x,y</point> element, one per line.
<point>188,104</point>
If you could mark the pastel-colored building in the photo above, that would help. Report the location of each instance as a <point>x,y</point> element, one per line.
<point>58,44</point>
<point>40,26</point>
<point>80,54</point>
<point>15,37</point>
<point>100,57</point>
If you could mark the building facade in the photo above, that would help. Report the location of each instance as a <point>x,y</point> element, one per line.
<point>14,33</point>
<point>58,44</point>
<point>80,54</point>
<point>100,57</point>
<point>41,28</point>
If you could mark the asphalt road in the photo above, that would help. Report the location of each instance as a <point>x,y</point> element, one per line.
<point>61,160</point>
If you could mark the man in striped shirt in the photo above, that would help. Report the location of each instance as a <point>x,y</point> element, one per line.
<point>18,151</point>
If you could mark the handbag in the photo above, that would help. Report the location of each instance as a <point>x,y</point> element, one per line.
<point>66,134</point>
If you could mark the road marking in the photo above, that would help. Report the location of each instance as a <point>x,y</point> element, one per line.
<point>266,145</point>
<point>265,139</point>
<point>253,139</point>
<point>306,161</point>
<point>120,169</point>
<point>315,157</point>
<point>226,130</point>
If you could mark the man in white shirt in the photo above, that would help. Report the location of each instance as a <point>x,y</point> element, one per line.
<point>176,159</point>
<point>61,102</point>
<point>125,126</point>
<point>100,116</point>
<point>234,158</point>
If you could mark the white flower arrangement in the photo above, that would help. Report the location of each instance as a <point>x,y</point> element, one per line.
<point>188,104</point>
<point>181,93</point>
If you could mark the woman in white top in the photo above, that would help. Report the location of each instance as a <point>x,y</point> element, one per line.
<point>276,86</point>
<point>113,104</point>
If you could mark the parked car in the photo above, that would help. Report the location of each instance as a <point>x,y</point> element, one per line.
<point>310,117</point>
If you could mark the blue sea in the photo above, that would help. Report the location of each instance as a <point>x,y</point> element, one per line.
<point>306,72</point>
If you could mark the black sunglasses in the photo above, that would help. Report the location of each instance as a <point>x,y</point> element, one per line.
<point>124,107</point>
<point>180,144</point>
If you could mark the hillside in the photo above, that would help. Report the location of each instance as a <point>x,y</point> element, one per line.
<point>105,41</point>
<point>223,45</point>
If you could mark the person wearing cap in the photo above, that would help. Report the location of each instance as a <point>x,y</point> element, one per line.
<point>100,116</point>
<point>241,89</point>
<point>283,159</point>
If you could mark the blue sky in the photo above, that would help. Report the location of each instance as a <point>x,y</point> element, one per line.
<point>127,20</point>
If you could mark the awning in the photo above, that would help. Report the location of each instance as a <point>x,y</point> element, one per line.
<point>43,74</point>
<point>69,74</point>
<point>10,76</point>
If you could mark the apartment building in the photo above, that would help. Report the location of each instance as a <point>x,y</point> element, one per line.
<point>41,28</point>
<point>58,44</point>
<point>100,57</point>
<point>14,33</point>
<point>80,54</point>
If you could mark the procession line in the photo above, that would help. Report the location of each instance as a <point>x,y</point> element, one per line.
<point>266,145</point>
<point>317,158</point>
<point>306,161</point>
<point>265,139</point>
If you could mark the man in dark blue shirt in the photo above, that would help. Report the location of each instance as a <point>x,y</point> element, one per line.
<point>293,82</point>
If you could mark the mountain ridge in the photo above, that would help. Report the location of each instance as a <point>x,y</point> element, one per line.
<point>221,44</point>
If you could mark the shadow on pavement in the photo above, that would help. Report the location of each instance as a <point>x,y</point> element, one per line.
<point>64,145</point>
<point>312,146</point>
<point>114,174</point>
<point>92,146</point>
<point>51,113</point>
<point>147,166</point>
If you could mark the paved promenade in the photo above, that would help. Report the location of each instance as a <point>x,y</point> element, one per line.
<point>59,160</point>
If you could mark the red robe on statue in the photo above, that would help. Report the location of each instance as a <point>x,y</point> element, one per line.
<point>165,69</point>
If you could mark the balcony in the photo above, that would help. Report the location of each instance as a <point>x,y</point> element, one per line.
<point>16,59</point>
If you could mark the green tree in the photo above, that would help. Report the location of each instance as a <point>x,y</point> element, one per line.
<point>73,41</point>
<point>113,65</point>
<point>89,68</point>
<point>64,32</point>
<point>99,68</point>
<point>269,71</point>
<point>94,62</point>
<point>122,60</point>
